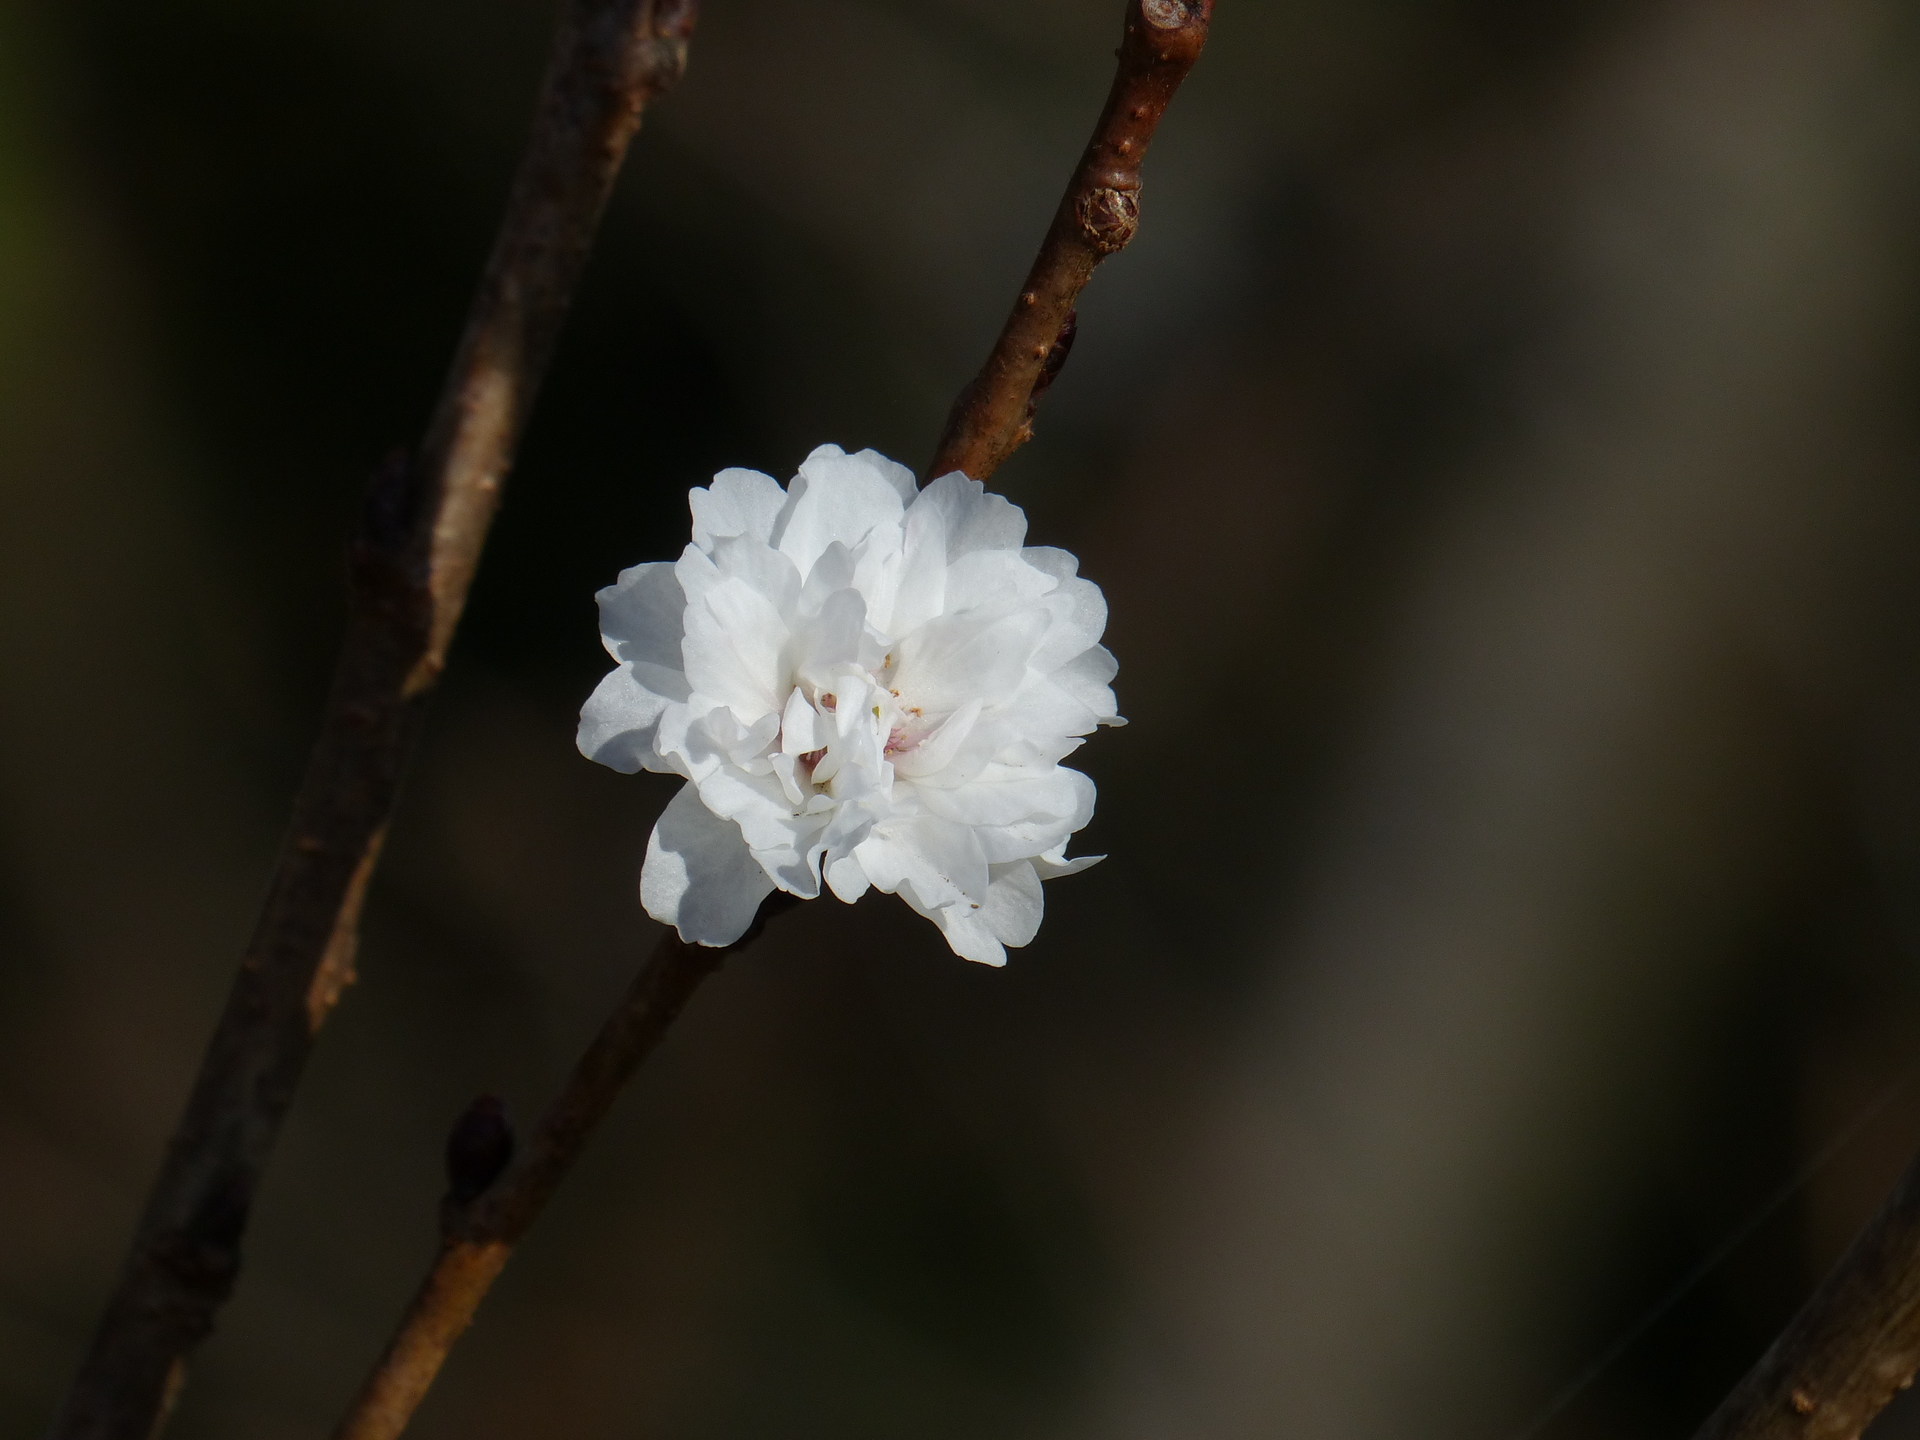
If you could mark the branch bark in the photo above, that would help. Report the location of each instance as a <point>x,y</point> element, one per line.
<point>413,560</point>
<point>478,1236</point>
<point>1852,1347</point>
<point>1096,218</point>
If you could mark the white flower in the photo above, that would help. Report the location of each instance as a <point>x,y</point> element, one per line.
<point>865,684</point>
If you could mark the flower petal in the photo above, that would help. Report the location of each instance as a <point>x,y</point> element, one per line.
<point>760,566</point>
<point>699,876</point>
<point>1048,868</point>
<point>1014,903</point>
<point>1088,679</point>
<point>835,497</point>
<point>732,648</point>
<point>996,579</point>
<point>824,644</point>
<point>939,860</point>
<point>741,502</point>
<point>955,658</point>
<point>1079,613</point>
<point>973,519</point>
<point>892,471</point>
<point>642,615</point>
<point>621,719</point>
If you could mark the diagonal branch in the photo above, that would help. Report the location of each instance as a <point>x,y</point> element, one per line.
<point>1853,1345</point>
<point>478,1236</point>
<point>413,561</point>
<point>1097,217</point>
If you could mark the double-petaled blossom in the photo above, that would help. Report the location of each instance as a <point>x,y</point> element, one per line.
<point>865,684</point>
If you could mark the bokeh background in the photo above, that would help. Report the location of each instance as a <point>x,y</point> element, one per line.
<point>1500,451</point>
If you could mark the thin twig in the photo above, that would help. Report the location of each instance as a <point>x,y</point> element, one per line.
<point>479,1235</point>
<point>414,559</point>
<point>1097,217</point>
<point>1852,1347</point>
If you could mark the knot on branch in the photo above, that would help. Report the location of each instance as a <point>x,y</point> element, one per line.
<point>1108,218</point>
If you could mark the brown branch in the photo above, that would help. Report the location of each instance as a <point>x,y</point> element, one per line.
<point>1852,1347</point>
<point>478,1235</point>
<point>1097,217</point>
<point>414,559</point>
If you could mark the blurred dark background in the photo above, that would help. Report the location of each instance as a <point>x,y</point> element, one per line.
<point>1500,451</point>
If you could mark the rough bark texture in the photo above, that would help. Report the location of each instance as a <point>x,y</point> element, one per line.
<point>1097,217</point>
<point>413,560</point>
<point>1851,1348</point>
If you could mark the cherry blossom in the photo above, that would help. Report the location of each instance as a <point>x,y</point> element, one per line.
<point>866,685</point>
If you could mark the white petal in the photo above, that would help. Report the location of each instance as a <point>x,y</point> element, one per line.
<point>620,720</point>
<point>973,520</point>
<point>940,861</point>
<point>760,566</point>
<point>732,648</point>
<point>954,659</point>
<point>1041,708</point>
<point>995,578</point>
<point>699,876</point>
<point>1062,565</point>
<point>1047,795</point>
<point>641,615</point>
<point>966,932</point>
<point>1014,903</point>
<point>879,567</point>
<point>918,592</point>
<point>847,879</point>
<point>969,935</point>
<point>832,571</point>
<point>696,573</point>
<point>835,497</point>
<point>893,472</point>
<point>741,502</point>
<point>1079,619</point>
<point>799,725</point>
<point>938,750</point>
<point>1052,869</point>
<point>785,769</point>
<point>1002,844</point>
<point>776,834</point>
<point>823,644</point>
<point>1088,678</point>
<point>1038,835</point>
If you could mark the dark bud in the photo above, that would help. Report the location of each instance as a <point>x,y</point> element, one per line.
<point>478,1148</point>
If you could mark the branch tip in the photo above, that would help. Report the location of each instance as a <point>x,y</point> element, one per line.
<point>1096,218</point>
